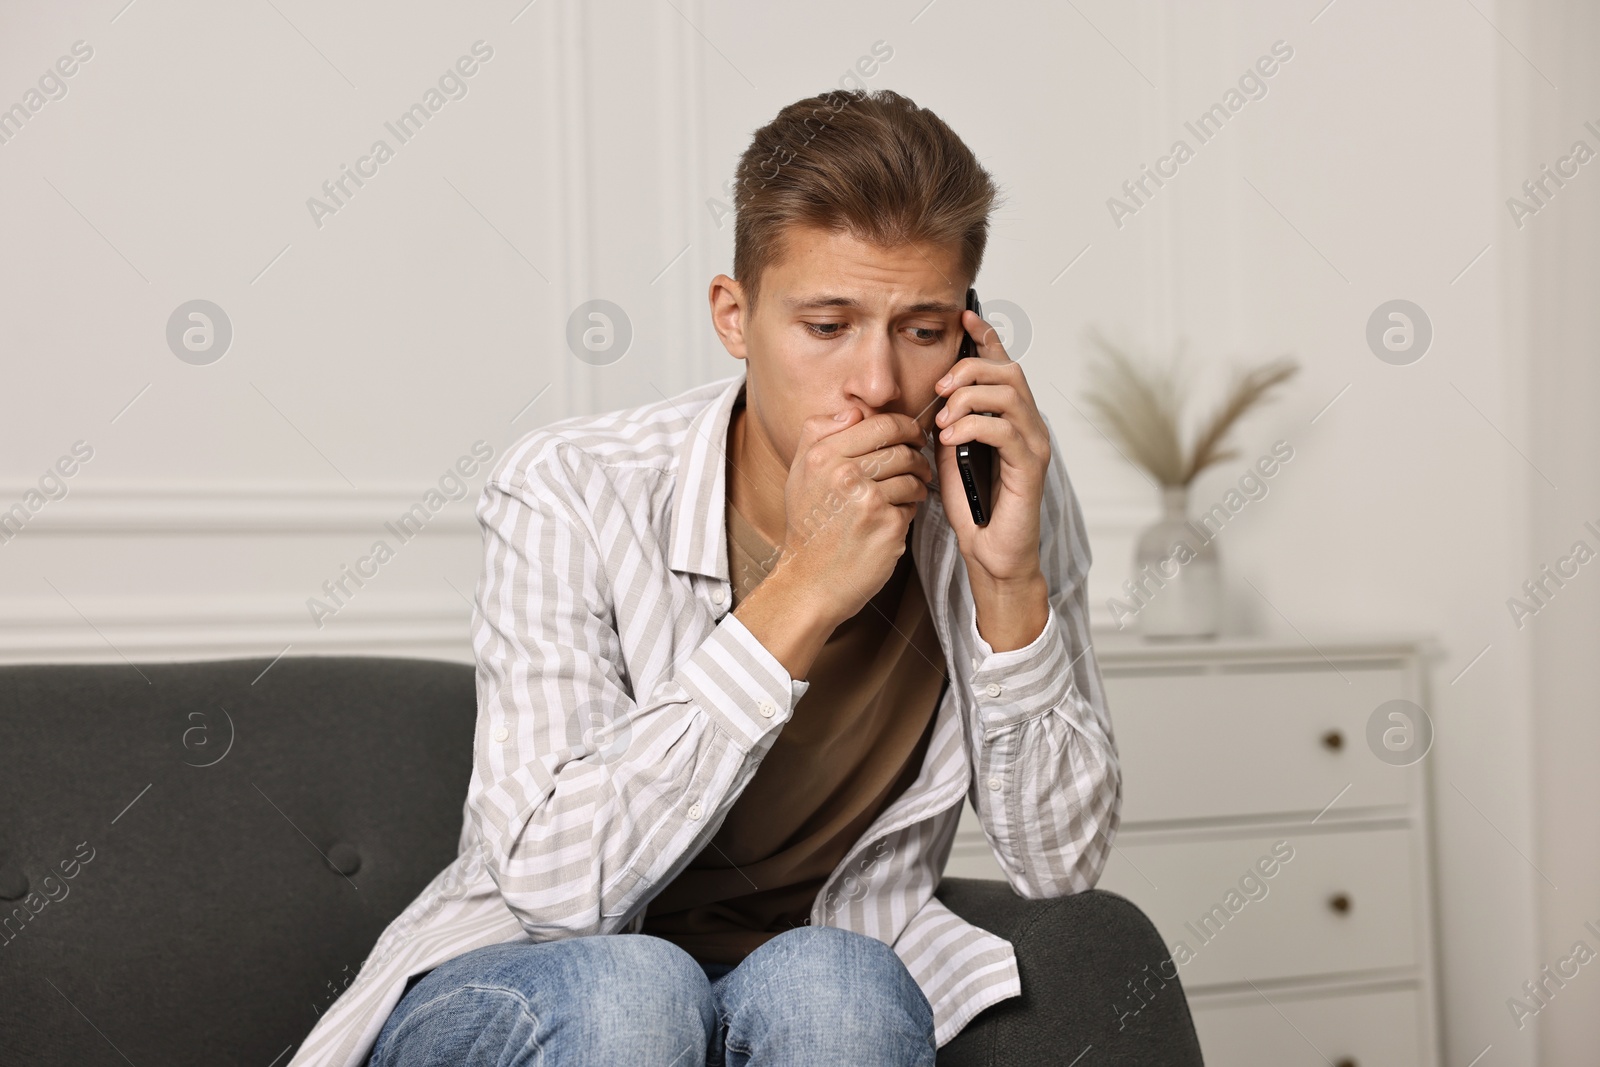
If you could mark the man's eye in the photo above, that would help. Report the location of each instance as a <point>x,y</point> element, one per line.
<point>930,335</point>
<point>824,329</point>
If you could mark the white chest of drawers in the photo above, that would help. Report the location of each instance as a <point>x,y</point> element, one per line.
<point>1287,866</point>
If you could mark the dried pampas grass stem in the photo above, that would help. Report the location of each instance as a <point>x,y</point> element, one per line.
<point>1143,411</point>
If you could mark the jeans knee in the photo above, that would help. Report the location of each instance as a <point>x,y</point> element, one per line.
<point>619,998</point>
<point>650,1003</point>
<point>851,984</point>
<point>463,1024</point>
<point>657,975</point>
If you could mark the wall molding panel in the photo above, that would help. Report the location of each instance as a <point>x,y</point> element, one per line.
<point>311,529</point>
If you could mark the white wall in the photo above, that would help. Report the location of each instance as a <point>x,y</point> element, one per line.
<point>371,352</point>
<point>1553,342</point>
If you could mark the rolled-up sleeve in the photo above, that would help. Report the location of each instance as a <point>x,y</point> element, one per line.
<point>584,793</point>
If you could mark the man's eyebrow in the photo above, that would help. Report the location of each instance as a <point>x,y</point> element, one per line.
<point>827,301</point>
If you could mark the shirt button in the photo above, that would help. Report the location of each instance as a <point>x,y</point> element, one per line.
<point>993,689</point>
<point>694,810</point>
<point>766,709</point>
<point>719,596</point>
<point>501,734</point>
<point>994,783</point>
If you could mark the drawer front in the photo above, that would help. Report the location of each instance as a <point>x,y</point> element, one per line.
<point>1196,746</point>
<point>1235,924</point>
<point>1360,1029</point>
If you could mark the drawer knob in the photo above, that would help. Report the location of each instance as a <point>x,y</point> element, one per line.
<point>1333,739</point>
<point>1340,902</point>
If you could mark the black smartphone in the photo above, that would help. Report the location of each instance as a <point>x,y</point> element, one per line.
<point>975,459</point>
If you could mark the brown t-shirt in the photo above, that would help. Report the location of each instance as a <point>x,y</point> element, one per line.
<point>855,742</point>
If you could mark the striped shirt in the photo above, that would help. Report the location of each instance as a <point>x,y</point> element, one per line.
<point>623,708</point>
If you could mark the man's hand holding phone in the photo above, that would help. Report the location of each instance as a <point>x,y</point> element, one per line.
<point>1002,556</point>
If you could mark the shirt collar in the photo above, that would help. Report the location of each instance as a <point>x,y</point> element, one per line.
<point>698,542</point>
<point>699,538</point>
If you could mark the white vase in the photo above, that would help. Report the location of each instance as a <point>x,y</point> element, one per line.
<point>1177,581</point>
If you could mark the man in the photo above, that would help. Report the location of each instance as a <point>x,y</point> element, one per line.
<point>662,587</point>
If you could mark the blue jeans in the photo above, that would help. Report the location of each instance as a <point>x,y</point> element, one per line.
<point>813,995</point>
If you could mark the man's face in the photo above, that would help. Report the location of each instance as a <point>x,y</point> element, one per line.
<point>844,323</point>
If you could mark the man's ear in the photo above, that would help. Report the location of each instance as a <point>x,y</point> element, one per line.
<point>728,306</point>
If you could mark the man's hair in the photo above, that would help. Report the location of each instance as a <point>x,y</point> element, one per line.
<point>868,163</point>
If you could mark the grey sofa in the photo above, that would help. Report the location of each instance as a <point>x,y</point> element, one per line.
<point>165,899</point>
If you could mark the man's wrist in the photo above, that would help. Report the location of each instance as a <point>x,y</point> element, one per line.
<point>785,614</point>
<point>1011,614</point>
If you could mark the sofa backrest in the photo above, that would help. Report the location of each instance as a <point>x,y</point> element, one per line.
<point>195,858</point>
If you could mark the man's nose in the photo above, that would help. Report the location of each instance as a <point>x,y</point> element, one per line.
<point>875,382</point>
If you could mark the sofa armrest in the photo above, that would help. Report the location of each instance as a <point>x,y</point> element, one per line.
<point>1081,958</point>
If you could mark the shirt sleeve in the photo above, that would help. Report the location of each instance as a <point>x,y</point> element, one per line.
<point>584,793</point>
<point>1047,787</point>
